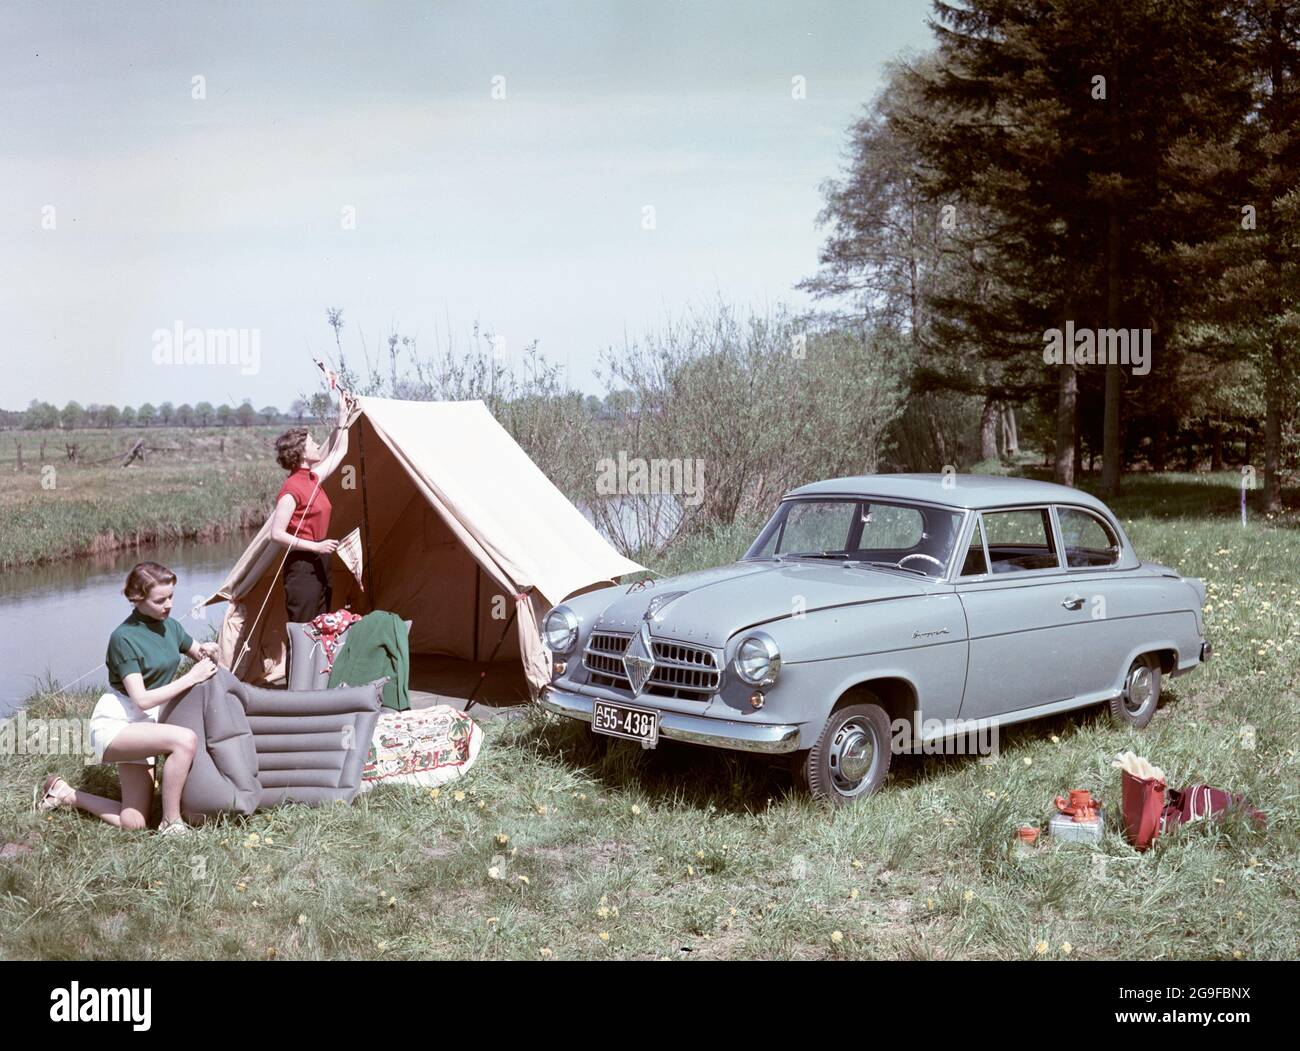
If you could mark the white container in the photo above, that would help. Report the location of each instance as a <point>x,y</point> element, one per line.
<point>1064,828</point>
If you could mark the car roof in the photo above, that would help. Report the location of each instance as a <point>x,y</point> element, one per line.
<point>972,491</point>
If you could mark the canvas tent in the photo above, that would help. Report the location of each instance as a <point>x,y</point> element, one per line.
<point>463,535</point>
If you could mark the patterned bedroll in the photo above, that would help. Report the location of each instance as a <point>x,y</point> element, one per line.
<point>259,747</point>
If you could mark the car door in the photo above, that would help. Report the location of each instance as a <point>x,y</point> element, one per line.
<point>1115,601</point>
<point>1022,612</point>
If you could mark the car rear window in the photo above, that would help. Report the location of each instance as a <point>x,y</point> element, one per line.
<point>1088,541</point>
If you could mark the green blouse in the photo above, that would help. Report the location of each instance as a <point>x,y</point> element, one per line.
<point>153,648</point>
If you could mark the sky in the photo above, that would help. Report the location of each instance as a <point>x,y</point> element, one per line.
<point>353,155</point>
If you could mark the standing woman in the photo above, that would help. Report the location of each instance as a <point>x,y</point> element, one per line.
<point>301,520</point>
<point>143,653</point>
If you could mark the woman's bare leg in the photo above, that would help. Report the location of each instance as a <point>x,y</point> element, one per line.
<point>137,798</point>
<point>139,741</point>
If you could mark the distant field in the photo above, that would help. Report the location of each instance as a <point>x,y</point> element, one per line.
<point>193,483</point>
<point>553,848</point>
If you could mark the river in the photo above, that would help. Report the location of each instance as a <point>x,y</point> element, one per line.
<point>55,620</point>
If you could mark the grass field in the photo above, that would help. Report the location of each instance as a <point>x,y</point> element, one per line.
<point>193,483</point>
<point>684,853</point>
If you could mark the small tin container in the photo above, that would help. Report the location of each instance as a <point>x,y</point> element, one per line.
<point>1063,827</point>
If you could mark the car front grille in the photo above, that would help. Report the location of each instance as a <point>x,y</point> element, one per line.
<point>688,673</point>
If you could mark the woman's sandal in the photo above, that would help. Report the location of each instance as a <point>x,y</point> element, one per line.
<point>173,828</point>
<point>50,799</point>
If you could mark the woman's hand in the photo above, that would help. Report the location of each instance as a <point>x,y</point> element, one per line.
<point>210,649</point>
<point>202,671</point>
<point>326,547</point>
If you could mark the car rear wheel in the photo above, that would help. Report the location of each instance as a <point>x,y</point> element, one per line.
<point>851,758</point>
<point>1137,702</point>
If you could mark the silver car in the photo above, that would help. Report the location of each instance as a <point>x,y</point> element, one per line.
<point>878,614</point>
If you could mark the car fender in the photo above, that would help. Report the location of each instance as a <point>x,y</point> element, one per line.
<point>1154,645</point>
<point>819,663</point>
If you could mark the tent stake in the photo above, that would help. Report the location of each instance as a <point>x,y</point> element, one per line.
<point>483,674</point>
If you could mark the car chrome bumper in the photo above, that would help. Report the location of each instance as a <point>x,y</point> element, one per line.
<point>768,738</point>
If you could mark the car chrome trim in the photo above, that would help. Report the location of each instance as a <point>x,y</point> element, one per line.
<point>765,738</point>
<point>682,670</point>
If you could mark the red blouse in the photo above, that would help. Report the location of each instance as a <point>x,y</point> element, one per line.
<point>308,522</point>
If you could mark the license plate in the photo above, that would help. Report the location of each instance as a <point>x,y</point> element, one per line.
<point>620,720</point>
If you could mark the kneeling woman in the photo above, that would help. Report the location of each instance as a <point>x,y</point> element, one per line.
<point>143,653</point>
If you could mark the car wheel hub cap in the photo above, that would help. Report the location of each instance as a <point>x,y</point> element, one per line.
<point>853,754</point>
<point>1139,689</point>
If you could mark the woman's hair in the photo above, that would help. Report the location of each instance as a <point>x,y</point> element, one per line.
<point>144,578</point>
<point>289,446</point>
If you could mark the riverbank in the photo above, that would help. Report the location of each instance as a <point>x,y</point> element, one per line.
<point>685,853</point>
<point>201,484</point>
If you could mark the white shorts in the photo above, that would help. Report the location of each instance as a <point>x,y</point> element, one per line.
<point>114,711</point>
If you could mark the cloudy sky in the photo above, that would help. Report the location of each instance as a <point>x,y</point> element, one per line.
<point>526,213</point>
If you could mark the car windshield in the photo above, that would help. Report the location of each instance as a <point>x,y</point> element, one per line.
<point>887,533</point>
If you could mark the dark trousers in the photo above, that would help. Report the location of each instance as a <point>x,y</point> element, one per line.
<point>306,586</point>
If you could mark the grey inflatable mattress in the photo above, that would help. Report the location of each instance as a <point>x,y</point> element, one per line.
<point>260,747</point>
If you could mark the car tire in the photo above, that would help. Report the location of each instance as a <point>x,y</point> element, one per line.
<point>1138,700</point>
<point>855,738</point>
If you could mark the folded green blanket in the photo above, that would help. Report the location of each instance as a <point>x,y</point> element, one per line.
<point>373,647</point>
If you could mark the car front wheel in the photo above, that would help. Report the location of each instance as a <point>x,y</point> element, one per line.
<point>1137,702</point>
<point>851,758</point>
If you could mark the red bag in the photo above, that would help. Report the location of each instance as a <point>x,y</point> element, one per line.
<point>1201,801</point>
<point>1144,799</point>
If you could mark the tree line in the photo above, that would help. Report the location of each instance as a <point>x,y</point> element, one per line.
<point>1057,180</point>
<point>42,415</point>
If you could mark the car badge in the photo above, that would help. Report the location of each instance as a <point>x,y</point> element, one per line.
<point>659,602</point>
<point>638,660</point>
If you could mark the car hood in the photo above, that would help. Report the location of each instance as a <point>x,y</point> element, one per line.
<point>710,606</point>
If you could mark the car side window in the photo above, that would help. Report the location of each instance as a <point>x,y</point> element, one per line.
<point>1089,542</point>
<point>974,564</point>
<point>1020,540</point>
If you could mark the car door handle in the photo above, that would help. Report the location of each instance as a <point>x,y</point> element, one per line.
<point>1073,602</point>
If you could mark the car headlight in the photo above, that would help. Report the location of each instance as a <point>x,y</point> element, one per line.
<point>560,629</point>
<point>758,661</point>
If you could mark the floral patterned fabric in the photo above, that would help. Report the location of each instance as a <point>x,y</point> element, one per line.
<point>421,746</point>
<point>327,632</point>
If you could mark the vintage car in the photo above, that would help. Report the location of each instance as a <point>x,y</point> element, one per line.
<point>938,602</point>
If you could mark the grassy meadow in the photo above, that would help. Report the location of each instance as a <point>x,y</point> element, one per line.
<point>553,848</point>
<point>193,484</point>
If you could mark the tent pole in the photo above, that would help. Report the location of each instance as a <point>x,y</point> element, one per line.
<point>483,674</point>
<point>478,584</point>
<point>365,515</point>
